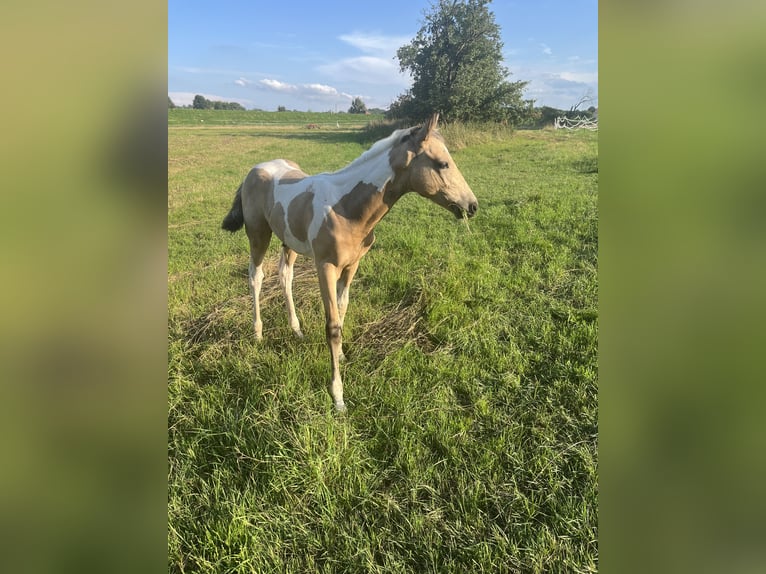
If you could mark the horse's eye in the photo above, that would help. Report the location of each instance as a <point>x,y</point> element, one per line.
<point>442,165</point>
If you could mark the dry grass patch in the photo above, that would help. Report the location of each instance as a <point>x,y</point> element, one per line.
<point>396,327</point>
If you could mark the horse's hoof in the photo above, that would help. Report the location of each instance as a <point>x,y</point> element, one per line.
<point>340,407</point>
<point>298,334</point>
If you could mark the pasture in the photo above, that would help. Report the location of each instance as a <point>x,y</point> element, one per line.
<point>470,441</point>
<point>188,117</point>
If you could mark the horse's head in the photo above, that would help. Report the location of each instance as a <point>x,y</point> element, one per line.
<point>426,167</point>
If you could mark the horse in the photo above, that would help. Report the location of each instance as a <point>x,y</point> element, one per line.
<point>331,218</point>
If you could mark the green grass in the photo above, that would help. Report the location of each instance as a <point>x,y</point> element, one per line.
<point>470,444</point>
<point>189,117</point>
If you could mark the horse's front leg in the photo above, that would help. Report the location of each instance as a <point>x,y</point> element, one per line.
<point>342,291</point>
<point>328,277</point>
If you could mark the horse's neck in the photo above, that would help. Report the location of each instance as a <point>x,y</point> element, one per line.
<point>366,204</point>
<point>373,185</point>
<point>373,166</point>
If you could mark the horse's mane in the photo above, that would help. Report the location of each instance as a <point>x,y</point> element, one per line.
<point>379,147</point>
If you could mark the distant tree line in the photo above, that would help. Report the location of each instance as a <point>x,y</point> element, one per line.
<point>202,103</point>
<point>532,117</point>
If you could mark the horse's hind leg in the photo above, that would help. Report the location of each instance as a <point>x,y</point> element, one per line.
<point>259,236</point>
<point>286,263</point>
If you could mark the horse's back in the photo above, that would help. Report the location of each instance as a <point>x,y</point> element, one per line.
<point>280,168</point>
<point>264,176</point>
<point>260,183</point>
<point>268,191</point>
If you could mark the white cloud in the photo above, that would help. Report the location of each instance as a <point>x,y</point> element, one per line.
<point>375,43</point>
<point>546,49</point>
<point>310,91</point>
<point>369,66</point>
<point>278,86</point>
<point>580,77</point>
<point>321,89</point>
<point>376,65</point>
<point>556,88</point>
<point>366,70</point>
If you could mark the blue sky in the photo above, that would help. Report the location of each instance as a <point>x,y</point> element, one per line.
<point>314,55</point>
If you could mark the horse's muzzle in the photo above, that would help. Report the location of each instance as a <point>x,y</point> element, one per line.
<point>460,213</point>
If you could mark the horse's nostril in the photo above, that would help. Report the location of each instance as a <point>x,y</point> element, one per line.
<point>472,208</point>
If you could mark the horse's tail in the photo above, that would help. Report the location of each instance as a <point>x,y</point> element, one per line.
<point>235,219</point>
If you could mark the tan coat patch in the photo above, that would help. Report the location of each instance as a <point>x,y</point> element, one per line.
<point>357,204</point>
<point>277,220</point>
<point>256,190</point>
<point>300,212</point>
<point>292,176</point>
<point>346,235</point>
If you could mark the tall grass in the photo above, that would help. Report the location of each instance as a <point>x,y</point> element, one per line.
<point>466,134</point>
<point>470,444</point>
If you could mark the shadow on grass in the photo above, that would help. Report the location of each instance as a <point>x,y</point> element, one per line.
<point>586,164</point>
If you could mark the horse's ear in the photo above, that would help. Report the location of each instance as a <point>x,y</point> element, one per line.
<point>428,128</point>
<point>431,124</point>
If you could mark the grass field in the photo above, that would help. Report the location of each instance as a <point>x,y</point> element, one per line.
<point>188,117</point>
<point>470,443</point>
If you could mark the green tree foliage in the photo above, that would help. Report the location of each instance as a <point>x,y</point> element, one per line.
<point>202,103</point>
<point>357,107</point>
<point>227,106</point>
<point>455,61</point>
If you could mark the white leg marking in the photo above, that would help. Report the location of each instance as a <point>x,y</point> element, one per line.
<point>342,307</point>
<point>256,281</point>
<point>342,301</point>
<point>328,277</point>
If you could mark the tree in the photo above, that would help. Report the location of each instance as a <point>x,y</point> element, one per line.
<point>217,105</point>
<point>201,103</point>
<point>455,61</point>
<point>357,106</point>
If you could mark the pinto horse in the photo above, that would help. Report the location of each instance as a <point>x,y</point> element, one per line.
<point>331,217</point>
